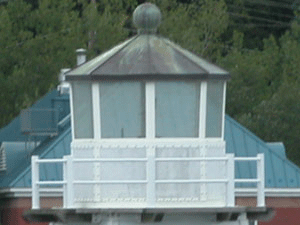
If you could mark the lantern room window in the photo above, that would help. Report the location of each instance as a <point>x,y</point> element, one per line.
<point>214,108</point>
<point>122,106</point>
<point>82,110</point>
<point>177,108</point>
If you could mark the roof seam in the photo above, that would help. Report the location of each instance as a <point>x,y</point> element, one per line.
<point>250,133</point>
<point>285,161</point>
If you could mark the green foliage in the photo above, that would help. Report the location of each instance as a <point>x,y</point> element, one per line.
<point>263,94</point>
<point>36,41</point>
<point>200,23</point>
<point>255,75</point>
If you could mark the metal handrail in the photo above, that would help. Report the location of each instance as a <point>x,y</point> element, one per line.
<point>68,182</point>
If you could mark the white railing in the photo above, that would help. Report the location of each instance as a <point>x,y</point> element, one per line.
<point>151,181</point>
<point>37,183</point>
<point>260,177</point>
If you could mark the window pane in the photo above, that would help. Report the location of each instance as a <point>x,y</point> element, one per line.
<point>177,109</point>
<point>214,108</point>
<point>122,106</point>
<point>83,110</point>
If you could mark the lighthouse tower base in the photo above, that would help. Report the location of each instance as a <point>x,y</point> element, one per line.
<point>190,216</point>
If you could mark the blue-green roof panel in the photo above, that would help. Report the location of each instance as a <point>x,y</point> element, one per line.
<point>279,171</point>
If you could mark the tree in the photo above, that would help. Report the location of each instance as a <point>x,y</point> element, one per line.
<point>37,41</point>
<point>263,94</point>
<point>200,21</point>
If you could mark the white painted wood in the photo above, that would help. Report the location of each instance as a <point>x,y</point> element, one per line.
<point>216,143</point>
<point>35,178</point>
<point>150,134</point>
<point>65,186</point>
<point>203,174</point>
<point>97,136</point>
<point>230,186</point>
<point>97,172</point>
<point>202,110</point>
<point>151,173</point>
<point>164,174</point>
<point>96,110</point>
<point>223,111</point>
<point>70,186</point>
<point>72,111</point>
<point>150,110</point>
<point>261,180</point>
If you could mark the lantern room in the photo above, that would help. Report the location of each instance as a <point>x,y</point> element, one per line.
<point>148,87</point>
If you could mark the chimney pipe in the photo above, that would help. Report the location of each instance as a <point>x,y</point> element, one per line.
<point>62,76</point>
<point>63,87</point>
<point>81,56</point>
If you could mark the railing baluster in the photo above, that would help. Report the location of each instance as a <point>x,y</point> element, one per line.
<point>230,184</point>
<point>151,192</point>
<point>70,180</point>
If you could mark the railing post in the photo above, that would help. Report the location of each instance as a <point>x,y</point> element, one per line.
<point>230,184</point>
<point>69,179</point>
<point>35,177</point>
<point>261,180</point>
<point>151,192</point>
<point>65,185</point>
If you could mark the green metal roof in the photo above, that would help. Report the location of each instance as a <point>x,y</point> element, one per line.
<point>16,149</point>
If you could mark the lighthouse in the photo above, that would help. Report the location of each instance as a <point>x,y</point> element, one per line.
<point>148,143</point>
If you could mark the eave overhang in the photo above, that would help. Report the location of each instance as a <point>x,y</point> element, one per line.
<point>148,77</point>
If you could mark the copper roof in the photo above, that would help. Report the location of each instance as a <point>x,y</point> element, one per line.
<point>147,56</point>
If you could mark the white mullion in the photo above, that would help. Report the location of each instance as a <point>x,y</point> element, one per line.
<point>150,110</point>
<point>223,111</point>
<point>72,111</point>
<point>202,110</point>
<point>150,134</point>
<point>202,127</point>
<point>97,136</point>
<point>96,110</point>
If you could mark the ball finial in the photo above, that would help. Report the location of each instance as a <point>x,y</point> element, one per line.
<point>147,17</point>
